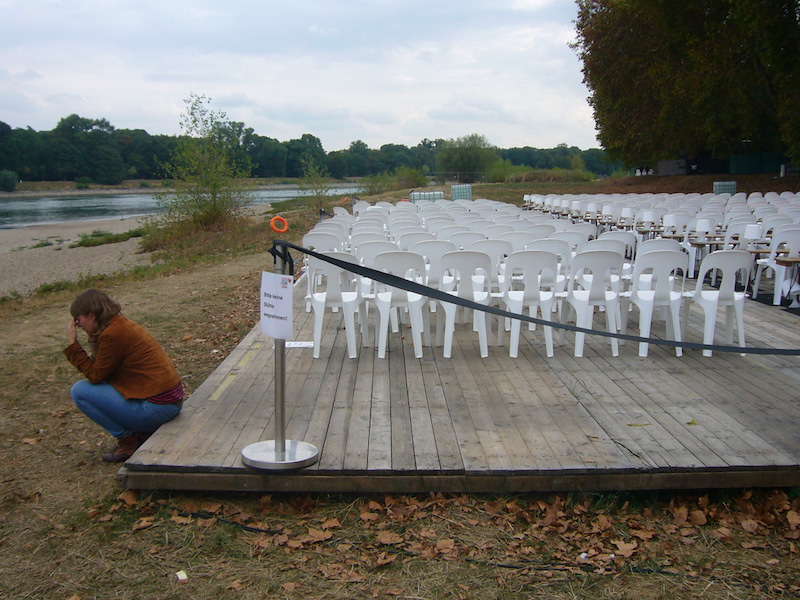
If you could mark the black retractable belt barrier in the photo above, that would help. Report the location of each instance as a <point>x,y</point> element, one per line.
<point>424,290</point>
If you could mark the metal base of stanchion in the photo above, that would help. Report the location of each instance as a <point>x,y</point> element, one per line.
<point>262,455</point>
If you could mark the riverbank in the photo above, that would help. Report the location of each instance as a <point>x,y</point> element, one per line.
<point>38,189</point>
<point>40,254</point>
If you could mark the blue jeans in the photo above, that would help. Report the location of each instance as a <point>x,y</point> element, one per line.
<point>119,416</point>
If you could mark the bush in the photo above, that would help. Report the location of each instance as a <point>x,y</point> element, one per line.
<point>406,177</point>
<point>377,184</point>
<point>8,180</point>
<point>207,194</point>
<point>528,174</point>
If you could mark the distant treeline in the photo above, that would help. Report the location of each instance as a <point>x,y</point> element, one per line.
<point>93,149</point>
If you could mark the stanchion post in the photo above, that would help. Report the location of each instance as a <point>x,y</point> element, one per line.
<point>280,453</point>
<point>280,378</point>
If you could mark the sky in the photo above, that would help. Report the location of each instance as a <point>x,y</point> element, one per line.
<point>380,71</point>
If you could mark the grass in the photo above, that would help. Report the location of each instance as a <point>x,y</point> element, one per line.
<point>99,237</point>
<point>77,535</point>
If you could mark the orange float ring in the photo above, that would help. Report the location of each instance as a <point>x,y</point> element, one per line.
<point>279,224</point>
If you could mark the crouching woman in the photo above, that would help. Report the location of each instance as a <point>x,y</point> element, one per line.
<point>131,386</point>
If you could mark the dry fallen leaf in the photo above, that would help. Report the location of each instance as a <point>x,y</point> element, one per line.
<point>698,517</point>
<point>30,441</point>
<point>722,533</point>
<point>445,546</point>
<point>129,497</point>
<point>385,559</point>
<point>317,535</point>
<point>390,537</point>
<point>331,523</point>
<point>681,514</point>
<point>144,523</point>
<point>427,533</point>
<point>625,549</point>
<point>602,523</point>
<point>181,520</point>
<point>236,586</point>
<point>793,517</point>
<point>749,525</point>
<point>643,534</point>
<point>369,516</point>
<point>290,586</point>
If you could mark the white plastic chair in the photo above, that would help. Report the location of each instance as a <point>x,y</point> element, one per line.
<point>791,239</point>
<point>320,241</point>
<point>518,239</point>
<point>602,265</point>
<point>576,239</point>
<point>432,251</point>
<point>366,254</point>
<point>463,239</point>
<point>497,251</point>
<point>497,230</point>
<point>538,273</point>
<point>660,266</point>
<point>540,231</point>
<point>730,263</point>
<point>341,290</point>
<point>630,239</point>
<point>408,265</point>
<point>407,240</point>
<point>700,228</point>
<point>465,268</point>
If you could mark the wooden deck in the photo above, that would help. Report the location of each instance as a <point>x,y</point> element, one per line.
<point>493,425</point>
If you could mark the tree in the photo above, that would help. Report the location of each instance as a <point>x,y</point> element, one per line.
<point>299,151</point>
<point>268,156</point>
<point>466,158</point>
<point>315,182</point>
<point>706,76</point>
<point>8,180</point>
<point>207,194</point>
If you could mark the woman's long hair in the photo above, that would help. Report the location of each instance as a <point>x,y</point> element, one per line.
<point>96,303</point>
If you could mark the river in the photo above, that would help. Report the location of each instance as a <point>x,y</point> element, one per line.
<point>19,212</point>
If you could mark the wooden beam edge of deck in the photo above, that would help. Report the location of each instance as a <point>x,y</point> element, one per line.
<point>461,483</point>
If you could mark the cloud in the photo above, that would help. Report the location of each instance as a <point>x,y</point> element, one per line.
<point>383,72</point>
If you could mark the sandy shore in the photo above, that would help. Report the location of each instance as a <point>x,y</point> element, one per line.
<point>24,267</point>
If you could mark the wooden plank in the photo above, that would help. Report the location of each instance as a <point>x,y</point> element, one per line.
<point>250,408</point>
<point>466,366</point>
<point>426,456</point>
<point>379,456</point>
<point>591,444</point>
<point>332,452</point>
<point>492,484</point>
<point>357,449</point>
<point>402,454</point>
<point>302,383</point>
<point>524,411</point>
<point>471,451</point>
<point>656,395</point>
<point>445,437</point>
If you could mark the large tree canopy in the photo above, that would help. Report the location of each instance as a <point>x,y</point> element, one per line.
<point>674,79</point>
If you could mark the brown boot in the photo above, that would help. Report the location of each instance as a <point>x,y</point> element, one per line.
<point>126,446</point>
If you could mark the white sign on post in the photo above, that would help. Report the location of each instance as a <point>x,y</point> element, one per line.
<point>277,300</point>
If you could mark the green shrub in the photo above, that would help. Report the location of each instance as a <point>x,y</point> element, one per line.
<point>377,184</point>
<point>406,177</point>
<point>8,180</point>
<point>99,237</point>
<point>557,175</point>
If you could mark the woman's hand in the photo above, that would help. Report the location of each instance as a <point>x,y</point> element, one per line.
<point>72,332</point>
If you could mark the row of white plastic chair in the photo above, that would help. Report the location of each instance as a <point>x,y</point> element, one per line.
<point>591,283</point>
